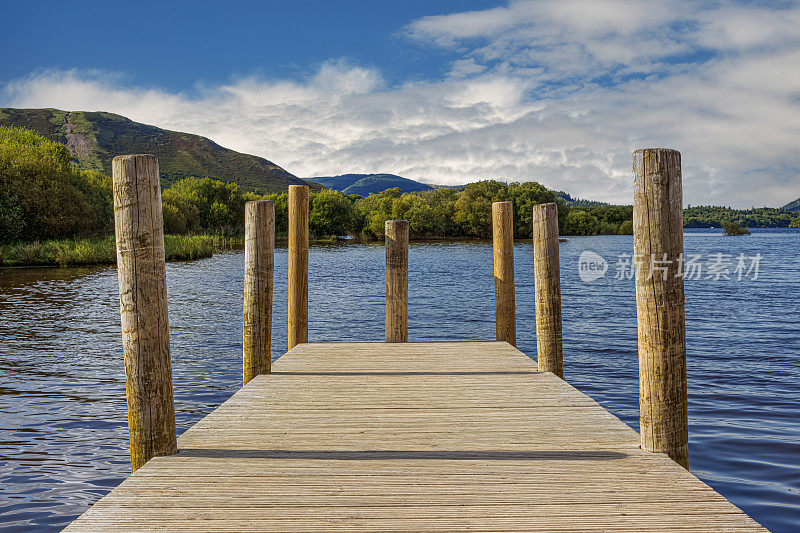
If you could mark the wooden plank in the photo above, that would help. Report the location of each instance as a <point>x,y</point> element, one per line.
<point>411,437</point>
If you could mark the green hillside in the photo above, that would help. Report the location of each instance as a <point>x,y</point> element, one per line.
<point>793,206</point>
<point>366,184</point>
<point>94,138</point>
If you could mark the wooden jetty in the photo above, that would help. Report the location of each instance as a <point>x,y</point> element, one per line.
<point>405,436</point>
<point>411,437</point>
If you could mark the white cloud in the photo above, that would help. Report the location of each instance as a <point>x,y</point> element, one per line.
<point>558,91</point>
<point>743,28</point>
<point>568,37</point>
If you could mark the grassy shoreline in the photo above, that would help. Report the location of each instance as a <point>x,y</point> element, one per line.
<point>102,250</point>
<point>86,251</point>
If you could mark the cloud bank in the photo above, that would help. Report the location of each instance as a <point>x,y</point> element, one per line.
<point>555,91</point>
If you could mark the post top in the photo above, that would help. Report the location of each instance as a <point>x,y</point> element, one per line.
<point>259,202</point>
<point>662,150</point>
<point>542,212</point>
<point>296,187</point>
<point>400,222</point>
<point>649,160</point>
<point>134,156</point>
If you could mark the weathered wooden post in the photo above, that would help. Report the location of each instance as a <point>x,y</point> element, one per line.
<point>505,311</point>
<point>658,249</point>
<point>139,228</point>
<point>547,280</point>
<point>396,232</point>
<point>298,265</point>
<point>259,265</point>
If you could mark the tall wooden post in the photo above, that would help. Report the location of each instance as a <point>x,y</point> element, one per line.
<point>396,232</point>
<point>547,280</point>
<point>505,311</point>
<point>298,265</point>
<point>259,265</point>
<point>139,228</point>
<point>658,248</point>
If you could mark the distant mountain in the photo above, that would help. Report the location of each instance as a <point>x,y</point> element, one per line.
<point>365,184</point>
<point>793,206</point>
<point>95,138</point>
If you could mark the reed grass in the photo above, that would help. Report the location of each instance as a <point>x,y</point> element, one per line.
<point>102,250</point>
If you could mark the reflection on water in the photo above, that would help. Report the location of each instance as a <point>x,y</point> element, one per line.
<point>63,425</point>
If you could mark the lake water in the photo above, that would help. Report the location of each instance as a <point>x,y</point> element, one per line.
<point>63,424</point>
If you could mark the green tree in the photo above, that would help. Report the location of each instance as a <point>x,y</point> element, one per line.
<point>608,228</point>
<point>473,209</point>
<point>421,218</point>
<point>611,217</point>
<point>375,210</point>
<point>281,202</point>
<point>174,220</point>
<point>206,205</point>
<point>181,212</point>
<point>331,213</point>
<point>580,222</point>
<point>525,196</point>
<point>626,227</point>
<point>43,196</point>
<point>442,202</point>
<point>219,217</point>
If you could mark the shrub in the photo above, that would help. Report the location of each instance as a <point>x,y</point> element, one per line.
<point>731,228</point>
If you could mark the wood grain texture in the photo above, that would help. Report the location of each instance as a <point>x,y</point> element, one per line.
<point>298,265</point>
<point>547,288</point>
<point>259,268</point>
<point>396,232</point>
<point>505,310</point>
<point>437,436</point>
<point>658,249</point>
<point>139,229</point>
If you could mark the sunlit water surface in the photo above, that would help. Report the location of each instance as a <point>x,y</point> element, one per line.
<point>63,425</point>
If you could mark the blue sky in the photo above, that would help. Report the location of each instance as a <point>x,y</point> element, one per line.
<point>176,44</point>
<point>560,91</point>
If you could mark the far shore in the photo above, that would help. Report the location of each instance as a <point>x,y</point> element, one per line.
<point>89,251</point>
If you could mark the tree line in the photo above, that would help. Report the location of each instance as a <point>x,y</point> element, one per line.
<point>44,196</point>
<point>761,217</point>
<point>202,205</point>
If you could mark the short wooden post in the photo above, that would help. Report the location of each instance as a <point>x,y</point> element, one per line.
<point>547,280</point>
<point>658,248</point>
<point>139,228</point>
<point>396,232</point>
<point>298,265</point>
<point>505,311</point>
<point>259,265</point>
